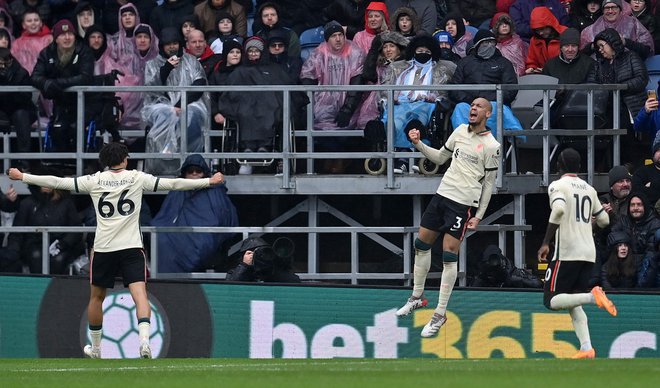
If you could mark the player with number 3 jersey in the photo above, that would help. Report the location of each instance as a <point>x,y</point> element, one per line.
<point>467,185</point>
<point>118,248</point>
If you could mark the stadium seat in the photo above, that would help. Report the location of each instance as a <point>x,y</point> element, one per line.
<point>653,67</point>
<point>309,39</point>
<point>472,30</point>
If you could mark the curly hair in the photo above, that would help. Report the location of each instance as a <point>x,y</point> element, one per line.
<point>113,154</point>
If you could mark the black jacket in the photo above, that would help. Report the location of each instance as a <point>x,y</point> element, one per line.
<point>628,68</point>
<point>348,13</point>
<point>574,72</point>
<point>647,180</point>
<point>475,70</point>
<point>52,79</point>
<point>170,15</point>
<point>16,75</point>
<point>641,231</point>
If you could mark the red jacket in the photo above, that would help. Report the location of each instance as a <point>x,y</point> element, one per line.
<point>540,50</point>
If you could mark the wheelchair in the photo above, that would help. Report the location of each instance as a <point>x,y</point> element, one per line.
<point>436,131</point>
<point>230,143</point>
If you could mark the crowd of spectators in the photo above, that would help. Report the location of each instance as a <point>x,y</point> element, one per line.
<point>55,45</point>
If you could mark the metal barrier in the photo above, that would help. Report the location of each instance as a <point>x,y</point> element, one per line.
<point>390,185</point>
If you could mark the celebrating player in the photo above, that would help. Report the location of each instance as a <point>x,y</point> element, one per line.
<point>573,202</point>
<point>467,184</point>
<point>118,249</point>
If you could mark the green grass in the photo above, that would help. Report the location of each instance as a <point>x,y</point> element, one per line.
<point>193,373</point>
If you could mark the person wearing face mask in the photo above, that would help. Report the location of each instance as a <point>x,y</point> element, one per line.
<point>161,110</point>
<point>445,43</point>
<point>509,43</point>
<point>413,108</point>
<point>484,65</point>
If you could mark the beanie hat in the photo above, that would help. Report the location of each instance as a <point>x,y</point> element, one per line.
<point>169,35</point>
<point>569,36</point>
<point>443,37</point>
<point>128,8</point>
<point>61,27</point>
<point>615,2</point>
<point>331,28</point>
<point>254,41</point>
<point>616,238</point>
<point>142,29</point>
<point>483,35</point>
<point>278,35</point>
<point>616,174</point>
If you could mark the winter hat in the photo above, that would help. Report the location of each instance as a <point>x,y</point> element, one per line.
<point>616,238</point>
<point>393,37</point>
<point>278,35</point>
<point>142,29</point>
<point>330,28</point>
<point>128,8</point>
<point>616,174</point>
<point>570,36</point>
<point>61,27</point>
<point>615,2</point>
<point>254,41</point>
<point>423,41</point>
<point>224,15</point>
<point>483,35</point>
<point>443,37</point>
<point>169,35</point>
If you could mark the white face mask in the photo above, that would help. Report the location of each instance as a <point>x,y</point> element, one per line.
<point>485,50</point>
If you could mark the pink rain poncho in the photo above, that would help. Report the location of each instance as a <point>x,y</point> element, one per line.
<point>27,47</point>
<point>330,68</point>
<point>123,46</point>
<point>627,26</point>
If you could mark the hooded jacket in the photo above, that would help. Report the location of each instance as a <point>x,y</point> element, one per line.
<point>414,21</point>
<point>16,75</point>
<point>521,12</point>
<point>637,37</point>
<point>642,230</point>
<point>264,32</point>
<point>207,14</point>
<point>425,11</point>
<point>628,68</point>
<point>363,38</point>
<point>511,46</point>
<point>540,50</point>
<point>462,37</point>
<point>189,252</point>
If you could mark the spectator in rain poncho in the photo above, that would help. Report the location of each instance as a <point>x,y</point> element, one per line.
<point>193,252</point>
<point>509,43</point>
<point>107,72</point>
<point>454,25</point>
<point>636,37</point>
<point>34,38</point>
<point>336,61</point>
<point>387,48</point>
<point>376,20</point>
<point>122,43</point>
<point>161,111</point>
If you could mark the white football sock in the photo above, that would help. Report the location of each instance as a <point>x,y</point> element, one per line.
<point>568,301</point>
<point>422,267</point>
<point>144,330</point>
<point>580,324</point>
<point>449,274</point>
<point>96,336</point>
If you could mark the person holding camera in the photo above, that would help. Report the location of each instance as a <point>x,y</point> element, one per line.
<point>265,263</point>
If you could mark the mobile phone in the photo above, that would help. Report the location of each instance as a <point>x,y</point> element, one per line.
<point>651,94</point>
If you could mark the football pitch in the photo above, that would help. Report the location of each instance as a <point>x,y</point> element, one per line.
<point>336,373</point>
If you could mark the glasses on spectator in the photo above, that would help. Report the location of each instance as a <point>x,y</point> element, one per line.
<point>276,45</point>
<point>602,45</point>
<point>611,7</point>
<point>423,51</point>
<point>637,1</point>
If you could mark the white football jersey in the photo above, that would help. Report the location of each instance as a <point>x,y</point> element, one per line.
<point>475,160</point>
<point>117,198</point>
<point>574,239</point>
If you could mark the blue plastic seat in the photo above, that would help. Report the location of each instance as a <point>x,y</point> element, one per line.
<point>309,40</point>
